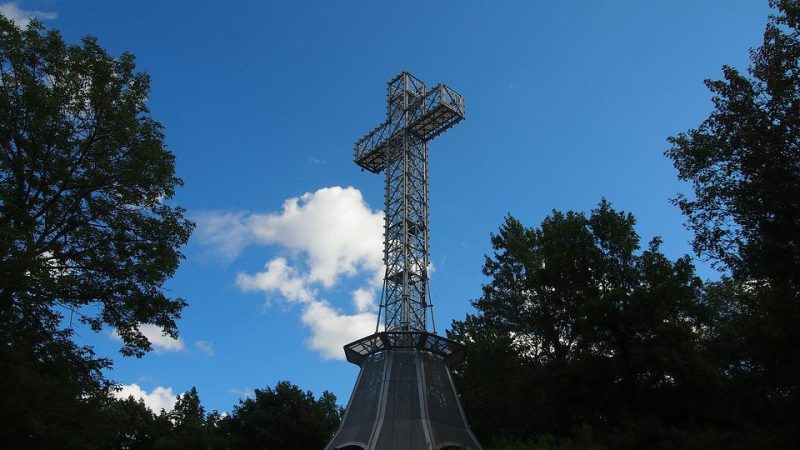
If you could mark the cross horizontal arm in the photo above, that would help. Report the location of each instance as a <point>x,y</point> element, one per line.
<point>371,150</point>
<point>430,116</point>
<point>441,108</point>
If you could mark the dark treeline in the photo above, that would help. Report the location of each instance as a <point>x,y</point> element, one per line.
<point>281,418</point>
<point>586,338</point>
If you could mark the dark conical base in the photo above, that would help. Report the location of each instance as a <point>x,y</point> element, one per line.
<point>404,399</point>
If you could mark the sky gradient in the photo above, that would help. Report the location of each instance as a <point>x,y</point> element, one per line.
<point>566,103</point>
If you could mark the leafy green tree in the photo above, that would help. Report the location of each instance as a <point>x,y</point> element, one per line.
<point>188,411</point>
<point>577,327</point>
<point>191,428</point>
<point>743,163</point>
<point>51,394</point>
<point>283,418</point>
<point>86,231</point>
<point>129,424</point>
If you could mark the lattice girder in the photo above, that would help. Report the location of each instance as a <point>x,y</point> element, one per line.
<point>424,114</point>
<point>405,398</point>
<point>399,147</point>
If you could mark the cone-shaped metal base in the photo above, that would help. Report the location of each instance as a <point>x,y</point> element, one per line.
<point>404,399</point>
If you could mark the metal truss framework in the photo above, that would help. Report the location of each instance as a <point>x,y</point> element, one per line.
<point>399,147</point>
<point>405,398</point>
<point>451,351</point>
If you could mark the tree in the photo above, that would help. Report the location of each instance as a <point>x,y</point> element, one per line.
<point>129,424</point>
<point>283,418</point>
<point>51,395</point>
<point>190,427</point>
<point>743,163</point>
<point>86,231</point>
<point>578,328</point>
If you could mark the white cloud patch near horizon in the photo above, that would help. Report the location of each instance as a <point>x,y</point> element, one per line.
<point>22,17</point>
<point>158,399</point>
<point>325,236</point>
<point>160,341</point>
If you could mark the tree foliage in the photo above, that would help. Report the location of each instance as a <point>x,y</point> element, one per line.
<point>84,180</point>
<point>283,418</point>
<point>590,341</point>
<point>86,233</point>
<point>743,163</point>
<point>577,327</point>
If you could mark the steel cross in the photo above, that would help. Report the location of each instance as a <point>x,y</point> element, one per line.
<point>399,147</point>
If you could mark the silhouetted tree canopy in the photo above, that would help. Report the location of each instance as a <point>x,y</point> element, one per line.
<point>743,163</point>
<point>581,340</point>
<point>84,180</point>
<point>579,327</point>
<point>86,233</point>
<point>283,418</point>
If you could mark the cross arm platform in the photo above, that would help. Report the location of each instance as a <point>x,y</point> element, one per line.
<point>430,115</point>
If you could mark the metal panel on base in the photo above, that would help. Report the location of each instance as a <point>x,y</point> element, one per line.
<point>404,399</point>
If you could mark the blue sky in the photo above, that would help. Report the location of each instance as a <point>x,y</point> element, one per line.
<point>567,102</point>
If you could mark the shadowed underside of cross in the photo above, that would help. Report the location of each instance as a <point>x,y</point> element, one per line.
<point>404,397</point>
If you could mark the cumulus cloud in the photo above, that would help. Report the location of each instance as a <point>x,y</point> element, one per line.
<point>23,17</point>
<point>364,299</point>
<point>279,277</point>
<point>332,229</point>
<point>158,399</point>
<point>332,329</point>
<point>324,236</point>
<point>160,341</point>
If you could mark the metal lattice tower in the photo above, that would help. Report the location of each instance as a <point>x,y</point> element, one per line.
<point>404,398</point>
<point>399,147</point>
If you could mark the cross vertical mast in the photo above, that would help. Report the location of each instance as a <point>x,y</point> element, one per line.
<point>399,146</point>
<point>404,397</point>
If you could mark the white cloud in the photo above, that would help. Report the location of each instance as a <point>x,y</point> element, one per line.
<point>205,347</point>
<point>23,17</point>
<point>333,227</point>
<point>278,277</point>
<point>331,329</point>
<point>158,399</point>
<point>364,299</point>
<point>325,236</point>
<point>160,341</point>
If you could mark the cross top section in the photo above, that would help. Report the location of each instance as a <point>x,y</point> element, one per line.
<point>399,147</point>
<point>409,108</point>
